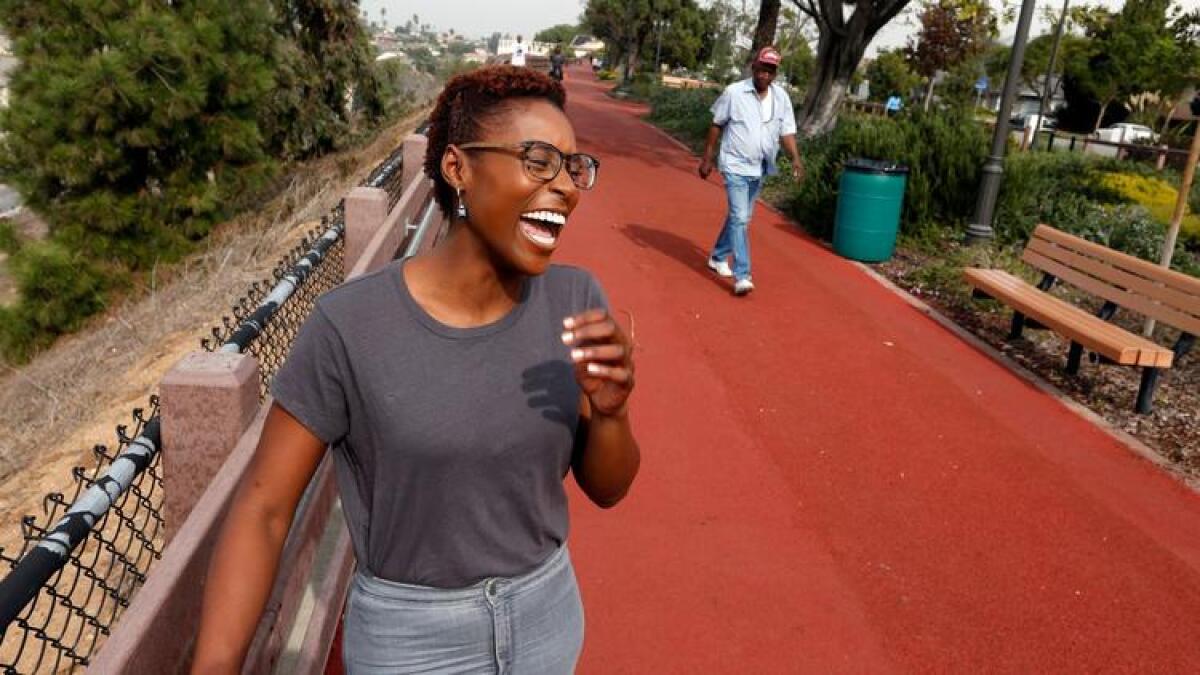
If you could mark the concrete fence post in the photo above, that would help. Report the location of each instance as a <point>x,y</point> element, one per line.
<point>414,158</point>
<point>1161,162</point>
<point>366,209</point>
<point>207,402</point>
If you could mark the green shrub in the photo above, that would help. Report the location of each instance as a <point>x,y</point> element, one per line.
<point>10,241</point>
<point>1157,195</point>
<point>1057,188</point>
<point>685,113</point>
<point>944,152</point>
<point>607,75</point>
<point>59,291</point>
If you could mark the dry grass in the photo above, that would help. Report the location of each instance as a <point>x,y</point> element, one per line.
<point>73,395</point>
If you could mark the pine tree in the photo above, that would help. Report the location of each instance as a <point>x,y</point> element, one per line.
<point>132,125</point>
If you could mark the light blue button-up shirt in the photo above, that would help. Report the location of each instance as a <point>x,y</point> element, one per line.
<point>750,143</point>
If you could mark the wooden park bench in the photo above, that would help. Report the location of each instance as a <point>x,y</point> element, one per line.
<point>1122,281</point>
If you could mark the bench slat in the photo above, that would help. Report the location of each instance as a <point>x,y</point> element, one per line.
<point>1091,331</point>
<point>1178,280</point>
<point>1124,298</point>
<point>1187,306</point>
<point>1064,318</point>
<point>1094,333</point>
<point>1008,285</point>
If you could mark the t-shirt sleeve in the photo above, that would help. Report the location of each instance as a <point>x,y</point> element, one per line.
<point>595,297</point>
<point>311,383</point>
<point>721,109</point>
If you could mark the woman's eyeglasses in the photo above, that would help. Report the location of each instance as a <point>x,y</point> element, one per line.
<point>543,161</point>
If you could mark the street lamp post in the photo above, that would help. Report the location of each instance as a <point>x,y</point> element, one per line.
<point>980,228</point>
<point>1048,88</point>
<point>660,25</point>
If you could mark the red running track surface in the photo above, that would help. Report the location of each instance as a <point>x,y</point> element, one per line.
<point>832,482</point>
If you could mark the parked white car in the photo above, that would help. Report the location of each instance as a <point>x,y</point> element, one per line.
<point>1126,132</point>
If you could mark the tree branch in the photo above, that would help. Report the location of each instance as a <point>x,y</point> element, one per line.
<point>885,11</point>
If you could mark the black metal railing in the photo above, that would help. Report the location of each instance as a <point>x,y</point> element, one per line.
<point>71,581</point>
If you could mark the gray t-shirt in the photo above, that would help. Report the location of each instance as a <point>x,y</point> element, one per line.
<point>451,444</point>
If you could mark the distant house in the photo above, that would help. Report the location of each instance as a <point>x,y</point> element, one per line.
<point>533,48</point>
<point>585,45</point>
<point>1028,99</point>
<point>386,42</point>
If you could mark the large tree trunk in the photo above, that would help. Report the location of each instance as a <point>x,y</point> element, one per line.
<point>837,58</point>
<point>630,61</point>
<point>768,20</point>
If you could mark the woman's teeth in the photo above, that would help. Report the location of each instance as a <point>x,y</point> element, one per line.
<point>546,216</point>
<point>542,227</point>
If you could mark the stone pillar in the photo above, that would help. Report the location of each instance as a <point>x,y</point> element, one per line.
<point>366,209</point>
<point>414,158</point>
<point>207,402</point>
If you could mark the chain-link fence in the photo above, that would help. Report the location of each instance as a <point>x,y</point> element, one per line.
<point>70,582</point>
<point>75,578</point>
<point>265,320</point>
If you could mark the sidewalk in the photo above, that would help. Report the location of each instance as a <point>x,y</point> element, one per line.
<point>832,482</point>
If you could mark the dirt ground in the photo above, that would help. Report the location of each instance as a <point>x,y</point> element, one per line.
<point>73,395</point>
<point>1172,429</point>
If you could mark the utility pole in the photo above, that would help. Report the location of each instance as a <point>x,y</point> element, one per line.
<point>980,228</point>
<point>1048,84</point>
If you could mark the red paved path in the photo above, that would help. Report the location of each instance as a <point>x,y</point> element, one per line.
<point>832,482</point>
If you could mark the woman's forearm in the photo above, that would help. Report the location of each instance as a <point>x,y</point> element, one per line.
<point>241,574</point>
<point>610,460</point>
<point>245,558</point>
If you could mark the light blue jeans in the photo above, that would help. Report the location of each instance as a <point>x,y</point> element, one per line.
<point>735,233</point>
<point>526,625</point>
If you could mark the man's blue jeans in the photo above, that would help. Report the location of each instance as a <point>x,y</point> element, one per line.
<point>735,235</point>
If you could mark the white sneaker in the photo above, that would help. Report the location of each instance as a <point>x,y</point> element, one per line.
<point>743,286</point>
<point>720,267</point>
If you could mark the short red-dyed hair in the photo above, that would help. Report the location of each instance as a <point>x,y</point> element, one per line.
<point>465,105</point>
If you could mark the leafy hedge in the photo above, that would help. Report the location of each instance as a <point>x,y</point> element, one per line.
<point>943,155</point>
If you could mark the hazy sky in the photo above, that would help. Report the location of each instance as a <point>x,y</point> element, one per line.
<point>482,17</point>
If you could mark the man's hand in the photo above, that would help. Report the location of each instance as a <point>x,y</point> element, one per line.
<point>706,167</point>
<point>798,170</point>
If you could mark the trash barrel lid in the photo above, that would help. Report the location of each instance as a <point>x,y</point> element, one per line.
<point>883,166</point>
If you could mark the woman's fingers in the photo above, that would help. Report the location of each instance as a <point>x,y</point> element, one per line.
<point>608,352</point>
<point>600,330</point>
<point>617,374</point>
<point>584,318</point>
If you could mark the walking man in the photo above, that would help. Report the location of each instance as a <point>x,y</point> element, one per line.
<point>750,119</point>
<point>518,53</point>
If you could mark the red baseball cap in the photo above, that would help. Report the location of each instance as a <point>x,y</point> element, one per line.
<point>768,55</point>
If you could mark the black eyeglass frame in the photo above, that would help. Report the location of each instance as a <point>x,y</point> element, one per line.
<point>525,146</point>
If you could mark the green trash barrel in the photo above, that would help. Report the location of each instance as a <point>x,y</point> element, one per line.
<point>870,194</point>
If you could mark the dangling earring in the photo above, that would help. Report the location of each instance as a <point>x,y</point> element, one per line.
<point>461,211</point>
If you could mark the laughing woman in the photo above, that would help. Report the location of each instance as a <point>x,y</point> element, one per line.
<point>456,391</point>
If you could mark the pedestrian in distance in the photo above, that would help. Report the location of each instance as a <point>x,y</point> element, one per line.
<point>456,390</point>
<point>557,63</point>
<point>892,107</point>
<point>518,53</point>
<point>751,119</point>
